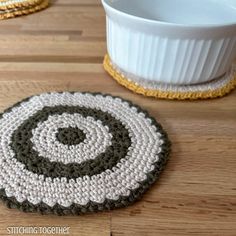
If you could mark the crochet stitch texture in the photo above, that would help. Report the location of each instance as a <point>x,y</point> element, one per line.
<point>14,8</point>
<point>213,89</point>
<point>72,153</point>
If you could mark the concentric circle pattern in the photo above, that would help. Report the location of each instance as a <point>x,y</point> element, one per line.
<point>71,153</point>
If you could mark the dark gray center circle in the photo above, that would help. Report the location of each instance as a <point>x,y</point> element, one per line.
<point>25,153</point>
<point>121,147</point>
<point>70,136</point>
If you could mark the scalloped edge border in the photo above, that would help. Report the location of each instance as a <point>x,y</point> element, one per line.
<point>172,95</point>
<point>25,11</point>
<point>22,4</point>
<point>76,209</point>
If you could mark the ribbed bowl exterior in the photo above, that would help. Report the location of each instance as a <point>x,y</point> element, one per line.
<point>172,60</point>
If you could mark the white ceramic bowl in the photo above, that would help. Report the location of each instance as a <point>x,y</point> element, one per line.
<point>172,41</point>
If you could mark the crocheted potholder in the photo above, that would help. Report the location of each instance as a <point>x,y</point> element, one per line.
<point>14,8</point>
<point>213,89</point>
<point>71,153</point>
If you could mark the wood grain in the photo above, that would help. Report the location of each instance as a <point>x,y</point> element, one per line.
<point>62,49</point>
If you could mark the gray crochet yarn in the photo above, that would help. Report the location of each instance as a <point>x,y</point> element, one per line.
<point>74,153</point>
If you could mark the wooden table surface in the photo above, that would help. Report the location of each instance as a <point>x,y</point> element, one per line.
<point>61,49</point>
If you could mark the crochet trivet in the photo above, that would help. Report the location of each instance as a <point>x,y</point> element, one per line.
<point>71,153</point>
<point>21,8</point>
<point>12,4</point>
<point>213,89</point>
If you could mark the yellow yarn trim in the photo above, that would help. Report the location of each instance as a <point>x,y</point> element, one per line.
<point>24,4</point>
<point>219,92</point>
<point>24,11</point>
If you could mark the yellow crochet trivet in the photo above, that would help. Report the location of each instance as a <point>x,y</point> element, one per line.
<point>178,92</point>
<point>19,11</point>
<point>11,4</point>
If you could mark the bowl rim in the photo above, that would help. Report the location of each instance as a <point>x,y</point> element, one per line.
<point>165,23</point>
